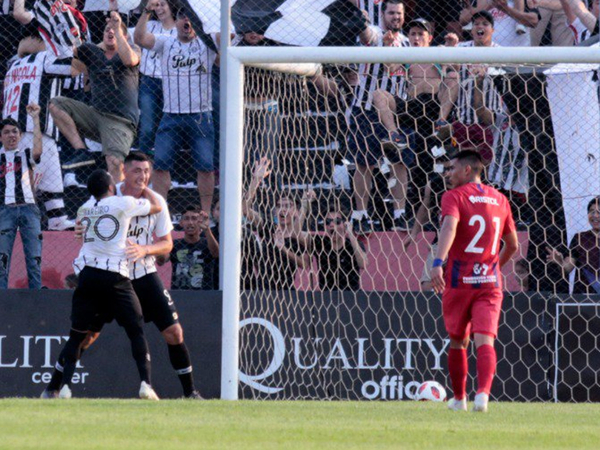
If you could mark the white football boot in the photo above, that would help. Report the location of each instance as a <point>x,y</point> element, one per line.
<point>147,393</point>
<point>457,405</point>
<point>65,392</point>
<point>481,402</point>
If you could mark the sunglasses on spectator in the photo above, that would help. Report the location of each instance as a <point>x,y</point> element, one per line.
<point>336,221</point>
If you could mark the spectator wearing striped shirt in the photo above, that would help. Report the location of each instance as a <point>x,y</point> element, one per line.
<point>475,96</point>
<point>151,92</point>
<point>112,117</point>
<point>186,65</point>
<point>36,76</point>
<point>60,24</point>
<point>18,210</point>
<point>365,142</point>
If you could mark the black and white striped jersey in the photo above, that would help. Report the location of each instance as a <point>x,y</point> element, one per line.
<point>492,98</point>
<point>60,25</point>
<point>373,9</point>
<point>377,76</point>
<point>16,170</point>
<point>150,64</point>
<point>106,226</point>
<point>141,231</point>
<point>186,74</point>
<point>34,79</point>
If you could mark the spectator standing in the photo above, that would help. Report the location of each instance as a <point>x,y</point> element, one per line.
<point>551,16</point>
<point>474,94</point>
<point>364,143</point>
<point>151,88</point>
<point>34,77</point>
<point>112,117</point>
<point>192,256</point>
<point>187,63</point>
<point>584,254</point>
<point>18,211</point>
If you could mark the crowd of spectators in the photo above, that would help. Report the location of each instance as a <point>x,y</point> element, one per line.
<point>139,77</point>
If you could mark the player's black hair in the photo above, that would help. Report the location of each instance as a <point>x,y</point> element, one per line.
<point>98,183</point>
<point>391,2</point>
<point>471,158</point>
<point>593,202</point>
<point>137,156</point>
<point>10,121</point>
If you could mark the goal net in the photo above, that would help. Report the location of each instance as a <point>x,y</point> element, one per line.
<point>342,177</point>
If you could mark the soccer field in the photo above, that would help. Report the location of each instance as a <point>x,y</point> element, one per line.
<point>135,424</point>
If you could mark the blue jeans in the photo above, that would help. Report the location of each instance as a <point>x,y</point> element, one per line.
<point>151,105</point>
<point>193,131</point>
<point>26,219</point>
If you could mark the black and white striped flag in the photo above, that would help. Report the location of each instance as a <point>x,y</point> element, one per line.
<point>306,23</point>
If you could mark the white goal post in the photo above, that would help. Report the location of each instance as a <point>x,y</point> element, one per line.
<point>239,57</point>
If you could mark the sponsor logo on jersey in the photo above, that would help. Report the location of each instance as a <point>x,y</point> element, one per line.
<point>478,199</point>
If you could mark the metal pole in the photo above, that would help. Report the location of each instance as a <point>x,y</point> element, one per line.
<point>232,230</point>
<point>225,43</point>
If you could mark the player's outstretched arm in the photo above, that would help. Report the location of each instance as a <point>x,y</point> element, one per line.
<point>447,235</point>
<point>511,245</point>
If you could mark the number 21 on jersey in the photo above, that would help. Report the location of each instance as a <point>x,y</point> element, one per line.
<point>480,222</point>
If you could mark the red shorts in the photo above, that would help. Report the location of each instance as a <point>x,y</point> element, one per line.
<point>468,311</point>
<point>474,137</point>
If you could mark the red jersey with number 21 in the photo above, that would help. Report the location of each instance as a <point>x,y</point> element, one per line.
<point>484,217</point>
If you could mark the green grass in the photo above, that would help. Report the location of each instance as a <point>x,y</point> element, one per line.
<point>179,424</point>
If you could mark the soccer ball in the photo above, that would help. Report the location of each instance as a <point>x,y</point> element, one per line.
<point>431,391</point>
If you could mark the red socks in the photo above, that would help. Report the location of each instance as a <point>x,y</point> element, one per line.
<point>486,368</point>
<point>458,368</point>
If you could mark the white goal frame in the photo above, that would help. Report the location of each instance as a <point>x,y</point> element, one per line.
<point>238,57</point>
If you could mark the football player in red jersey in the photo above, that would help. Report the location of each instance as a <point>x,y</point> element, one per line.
<point>475,219</point>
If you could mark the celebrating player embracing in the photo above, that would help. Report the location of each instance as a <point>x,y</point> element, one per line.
<point>475,218</point>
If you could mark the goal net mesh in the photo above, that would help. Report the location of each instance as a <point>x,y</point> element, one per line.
<point>325,307</point>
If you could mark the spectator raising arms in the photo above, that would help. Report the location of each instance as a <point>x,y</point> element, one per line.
<point>112,118</point>
<point>35,77</point>
<point>18,211</point>
<point>186,66</point>
<point>151,89</point>
<point>282,251</point>
<point>474,94</point>
<point>339,253</point>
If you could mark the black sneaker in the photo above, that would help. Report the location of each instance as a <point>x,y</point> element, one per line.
<point>362,226</point>
<point>195,395</point>
<point>401,223</point>
<point>81,159</point>
<point>396,141</point>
